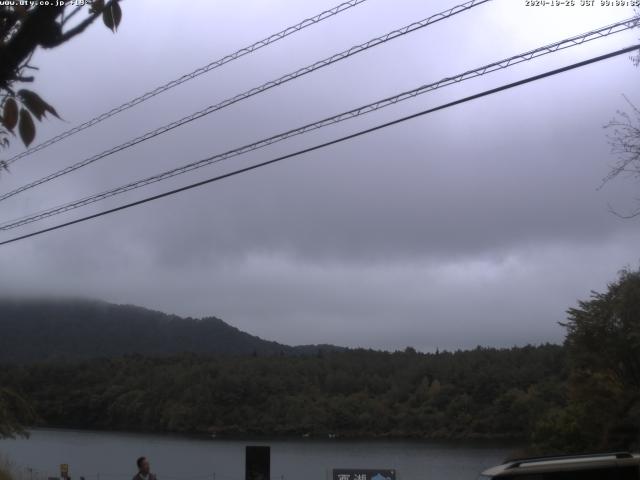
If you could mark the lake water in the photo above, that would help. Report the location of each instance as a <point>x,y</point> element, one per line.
<point>111,456</point>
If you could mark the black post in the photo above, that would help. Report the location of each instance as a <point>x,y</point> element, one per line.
<point>257,463</point>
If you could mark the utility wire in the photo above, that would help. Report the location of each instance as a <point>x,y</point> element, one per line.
<point>331,142</point>
<point>189,76</point>
<point>362,110</point>
<point>254,91</point>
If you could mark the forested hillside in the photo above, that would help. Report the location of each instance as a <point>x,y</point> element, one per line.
<point>42,330</point>
<point>482,393</point>
<point>544,395</point>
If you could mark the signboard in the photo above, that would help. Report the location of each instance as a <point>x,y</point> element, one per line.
<point>64,470</point>
<point>362,474</point>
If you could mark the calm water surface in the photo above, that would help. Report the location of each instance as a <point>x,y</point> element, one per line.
<point>111,456</point>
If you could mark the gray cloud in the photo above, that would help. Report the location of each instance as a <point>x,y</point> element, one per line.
<point>479,224</point>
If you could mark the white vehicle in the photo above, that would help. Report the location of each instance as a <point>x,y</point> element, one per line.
<point>601,466</point>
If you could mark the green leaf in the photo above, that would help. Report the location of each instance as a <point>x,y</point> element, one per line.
<point>36,104</point>
<point>10,114</point>
<point>117,13</point>
<point>112,15</point>
<point>26,127</point>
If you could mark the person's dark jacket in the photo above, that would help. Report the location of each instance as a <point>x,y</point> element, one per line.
<point>138,476</point>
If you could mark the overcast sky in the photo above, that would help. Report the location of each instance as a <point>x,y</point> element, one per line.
<point>477,225</point>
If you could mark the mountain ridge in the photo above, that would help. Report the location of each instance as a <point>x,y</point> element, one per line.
<point>34,329</point>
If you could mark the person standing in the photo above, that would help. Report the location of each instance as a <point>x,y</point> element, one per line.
<point>144,472</point>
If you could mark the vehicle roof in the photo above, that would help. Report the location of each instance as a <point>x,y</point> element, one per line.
<point>563,463</point>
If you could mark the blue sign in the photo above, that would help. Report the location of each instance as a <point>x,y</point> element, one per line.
<point>361,474</point>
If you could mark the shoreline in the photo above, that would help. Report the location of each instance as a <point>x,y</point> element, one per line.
<point>489,442</point>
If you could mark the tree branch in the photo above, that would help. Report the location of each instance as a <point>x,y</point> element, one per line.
<point>68,17</point>
<point>38,26</point>
<point>620,215</point>
<point>68,35</point>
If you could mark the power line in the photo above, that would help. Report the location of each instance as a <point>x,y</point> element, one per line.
<point>331,142</point>
<point>189,76</point>
<point>254,91</point>
<point>362,110</point>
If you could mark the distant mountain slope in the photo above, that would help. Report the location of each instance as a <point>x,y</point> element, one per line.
<point>36,330</point>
